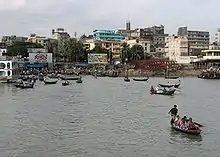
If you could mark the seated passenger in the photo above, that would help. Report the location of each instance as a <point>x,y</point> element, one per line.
<point>192,125</point>
<point>177,120</point>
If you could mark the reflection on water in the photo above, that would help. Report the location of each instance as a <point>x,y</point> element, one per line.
<point>177,136</point>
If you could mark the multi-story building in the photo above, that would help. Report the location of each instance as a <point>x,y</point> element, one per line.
<point>197,40</point>
<point>9,40</point>
<point>37,39</point>
<point>110,40</point>
<point>177,49</point>
<point>154,34</point>
<point>217,36</point>
<point>60,34</point>
<point>107,35</point>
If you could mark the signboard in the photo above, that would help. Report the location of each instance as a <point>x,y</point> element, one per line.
<point>40,57</point>
<point>97,58</point>
<point>37,50</point>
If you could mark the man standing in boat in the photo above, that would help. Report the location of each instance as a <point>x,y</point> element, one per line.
<point>173,113</point>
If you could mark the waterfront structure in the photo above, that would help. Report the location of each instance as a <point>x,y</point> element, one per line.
<point>5,70</point>
<point>197,40</point>
<point>9,40</point>
<point>37,39</point>
<point>211,57</point>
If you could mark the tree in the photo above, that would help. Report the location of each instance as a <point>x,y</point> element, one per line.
<point>74,51</point>
<point>137,52</point>
<point>20,48</point>
<point>125,53</point>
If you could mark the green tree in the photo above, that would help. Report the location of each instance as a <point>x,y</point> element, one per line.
<point>20,48</point>
<point>125,53</point>
<point>137,52</point>
<point>74,51</point>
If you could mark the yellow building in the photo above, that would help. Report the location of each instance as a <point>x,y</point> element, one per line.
<point>38,39</point>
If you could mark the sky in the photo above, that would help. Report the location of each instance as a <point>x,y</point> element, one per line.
<point>22,17</point>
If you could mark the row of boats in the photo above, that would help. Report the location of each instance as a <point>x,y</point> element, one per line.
<point>29,81</point>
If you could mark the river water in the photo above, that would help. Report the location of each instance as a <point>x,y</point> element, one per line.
<point>107,117</point>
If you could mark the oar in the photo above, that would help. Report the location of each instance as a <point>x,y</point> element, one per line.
<point>200,125</point>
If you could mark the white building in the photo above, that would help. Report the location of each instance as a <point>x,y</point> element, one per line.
<point>144,43</point>
<point>176,49</point>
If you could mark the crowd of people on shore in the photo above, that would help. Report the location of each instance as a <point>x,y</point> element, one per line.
<point>182,123</point>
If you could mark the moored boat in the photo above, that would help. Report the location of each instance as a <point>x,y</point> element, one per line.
<point>69,77</point>
<point>79,80</point>
<point>50,81</point>
<point>126,79</point>
<point>171,77</point>
<point>141,79</point>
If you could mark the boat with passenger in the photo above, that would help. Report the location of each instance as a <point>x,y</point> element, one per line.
<point>162,91</point>
<point>185,125</point>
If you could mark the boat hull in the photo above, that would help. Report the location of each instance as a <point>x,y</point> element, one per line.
<point>190,132</point>
<point>171,77</point>
<point>141,79</point>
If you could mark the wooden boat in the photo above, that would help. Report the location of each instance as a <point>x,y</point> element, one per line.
<point>79,80</point>
<point>141,79</point>
<point>170,85</point>
<point>163,92</point>
<point>171,77</point>
<point>177,85</point>
<point>126,79</point>
<point>65,83</point>
<point>50,81</point>
<point>166,85</point>
<point>191,132</point>
<point>69,77</point>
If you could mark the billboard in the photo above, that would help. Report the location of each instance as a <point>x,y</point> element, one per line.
<point>40,57</point>
<point>95,58</point>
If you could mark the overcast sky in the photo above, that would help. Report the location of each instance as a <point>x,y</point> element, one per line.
<point>22,17</point>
